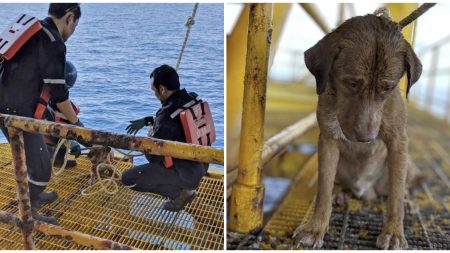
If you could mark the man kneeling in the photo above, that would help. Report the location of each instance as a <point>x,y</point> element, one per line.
<point>179,178</point>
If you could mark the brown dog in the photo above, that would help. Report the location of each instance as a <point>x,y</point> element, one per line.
<point>362,119</point>
<point>97,156</point>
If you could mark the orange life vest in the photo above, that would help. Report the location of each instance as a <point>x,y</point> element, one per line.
<point>17,34</point>
<point>198,125</point>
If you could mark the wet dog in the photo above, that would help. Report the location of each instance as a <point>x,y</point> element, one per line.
<point>102,158</point>
<point>363,143</point>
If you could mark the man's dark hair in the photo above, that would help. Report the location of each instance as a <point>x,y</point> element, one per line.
<point>58,10</point>
<point>166,76</point>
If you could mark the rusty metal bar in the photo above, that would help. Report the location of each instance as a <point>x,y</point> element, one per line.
<point>144,144</point>
<point>61,233</point>
<point>23,194</point>
<point>247,197</point>
<point>315,15</point>
<point>80,238</point>
<point>280,141</point>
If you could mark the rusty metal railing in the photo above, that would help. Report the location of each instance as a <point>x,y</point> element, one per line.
<point>16,125</point>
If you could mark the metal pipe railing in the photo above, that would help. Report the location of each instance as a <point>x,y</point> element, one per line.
<point>59,232</point>
<point>277,143</point>
<point>247,198</point>
<point>23,194</point>
<point>145,144</point>
<point>16,125</point>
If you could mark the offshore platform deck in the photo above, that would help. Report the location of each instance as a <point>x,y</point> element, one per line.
<point>357,224</point>
<point>127,217</point>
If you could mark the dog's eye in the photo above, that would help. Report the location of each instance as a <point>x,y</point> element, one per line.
<point>354,83</point>
<point>386,88</point>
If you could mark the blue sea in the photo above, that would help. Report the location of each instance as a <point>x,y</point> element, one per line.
<point>116,46</point>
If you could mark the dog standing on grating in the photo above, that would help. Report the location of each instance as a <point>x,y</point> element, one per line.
<point>102,158</point>
<point>363,145</point>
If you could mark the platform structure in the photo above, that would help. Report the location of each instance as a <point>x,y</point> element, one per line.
<point>127,217</point>
<point>357,225</point>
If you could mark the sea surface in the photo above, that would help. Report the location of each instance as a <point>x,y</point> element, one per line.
<point>116,46</point>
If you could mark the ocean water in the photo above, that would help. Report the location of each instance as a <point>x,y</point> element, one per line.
<point>116,46</point>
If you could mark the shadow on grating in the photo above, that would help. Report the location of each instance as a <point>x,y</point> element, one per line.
<point>358,225</point>
<point>128,217</point>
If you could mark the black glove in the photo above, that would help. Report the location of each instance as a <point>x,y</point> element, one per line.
<point>136,125</point>
<point>78,123</point>
<point>75,149</point>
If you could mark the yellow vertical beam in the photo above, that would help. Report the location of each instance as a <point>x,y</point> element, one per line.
<point>398,12</point>
<point>236,52</point>
<point>247,194</point>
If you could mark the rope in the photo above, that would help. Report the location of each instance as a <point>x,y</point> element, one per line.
<point>104,182</point>
<point>189,23</point>
<point>61,142</point>
<point>383,12</point>
<point>415,14</point>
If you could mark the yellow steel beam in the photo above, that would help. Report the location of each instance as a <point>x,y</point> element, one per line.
<point>144,144</point>
<point>398,12</point>
<point>247,197</point>
<point>236,52</point>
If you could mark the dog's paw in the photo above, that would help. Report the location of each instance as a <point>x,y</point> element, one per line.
<point>341,199</point>
<point>309,235</point>
<point>393,239</point>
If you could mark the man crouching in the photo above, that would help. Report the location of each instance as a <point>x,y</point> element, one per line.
<point>174,178</point>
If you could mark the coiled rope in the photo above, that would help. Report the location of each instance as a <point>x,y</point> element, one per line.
<point>189,23</point>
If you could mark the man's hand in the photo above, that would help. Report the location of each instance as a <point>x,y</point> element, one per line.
<point>78,123</point>
<point>136,125</point>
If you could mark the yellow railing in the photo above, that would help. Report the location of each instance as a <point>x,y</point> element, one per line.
<point>17,125</point>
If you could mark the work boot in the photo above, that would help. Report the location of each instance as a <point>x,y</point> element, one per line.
<point>48,197</point>
<point>177,204</point>
<point>35,206</point>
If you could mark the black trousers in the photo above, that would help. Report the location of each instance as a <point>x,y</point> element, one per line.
<point>155,178</point>
<point>38,162</point>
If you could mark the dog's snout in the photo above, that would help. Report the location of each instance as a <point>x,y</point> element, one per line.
<point>366,136</point>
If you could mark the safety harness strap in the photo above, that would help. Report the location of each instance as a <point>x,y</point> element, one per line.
<point>43,102</point>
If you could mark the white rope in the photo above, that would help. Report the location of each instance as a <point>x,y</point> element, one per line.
<point>189,23</point>
<point>383,12</point>
<point>61,142</point>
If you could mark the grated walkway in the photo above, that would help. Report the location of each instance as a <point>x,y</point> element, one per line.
<point>128,217</point>
<point>358,225</point>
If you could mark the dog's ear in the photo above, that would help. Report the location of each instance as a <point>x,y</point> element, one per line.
<point>108,149</point>
<point>413,66</point>
<point>319,60</point>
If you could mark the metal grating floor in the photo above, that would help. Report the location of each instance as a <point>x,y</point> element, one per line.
<point>358,225</point>
<point>128,217</point>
